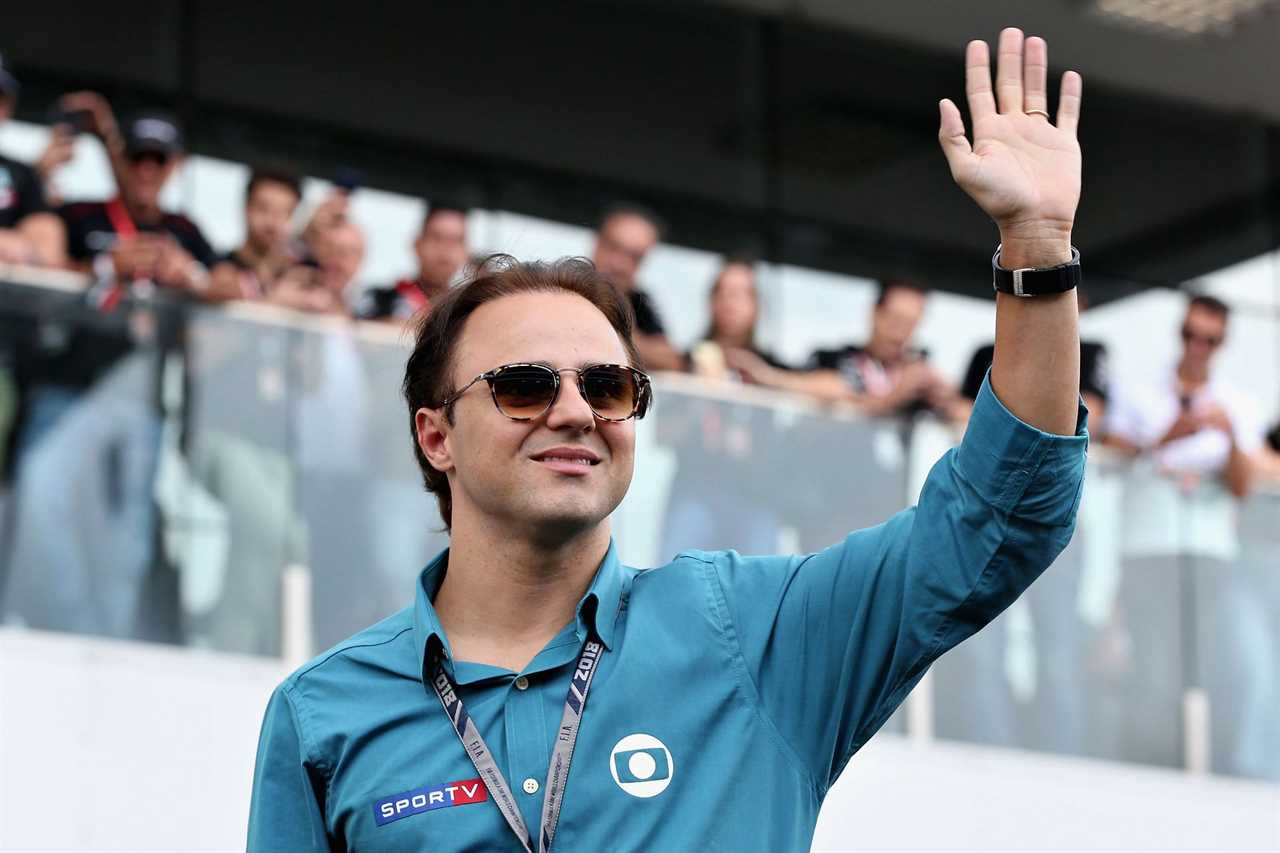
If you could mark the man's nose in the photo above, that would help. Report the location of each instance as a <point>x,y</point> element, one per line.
<point>570,410</point>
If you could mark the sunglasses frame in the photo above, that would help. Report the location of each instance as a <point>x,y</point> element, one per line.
<point>644,389</point>
<point>1213,341</point>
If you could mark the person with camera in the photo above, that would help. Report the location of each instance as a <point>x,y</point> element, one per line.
<point>131,238</point>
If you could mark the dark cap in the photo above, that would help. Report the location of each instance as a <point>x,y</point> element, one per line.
<point>8,83</point>
<point>153,132</point>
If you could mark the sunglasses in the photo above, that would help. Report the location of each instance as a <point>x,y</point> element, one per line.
<point>522,392</point>
<point>1211,340</point>
<point>159,158</point>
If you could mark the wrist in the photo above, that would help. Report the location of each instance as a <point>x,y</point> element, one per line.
<point>1034,245</point>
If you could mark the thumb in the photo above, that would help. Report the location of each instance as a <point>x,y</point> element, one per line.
<point>955,145</point>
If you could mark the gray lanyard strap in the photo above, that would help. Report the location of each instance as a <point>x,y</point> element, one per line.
<point>561,753</point>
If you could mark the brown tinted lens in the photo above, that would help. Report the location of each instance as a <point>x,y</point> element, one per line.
<point>524,392</point>
<point>610,391</point>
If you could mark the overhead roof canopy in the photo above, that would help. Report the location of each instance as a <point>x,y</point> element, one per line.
<point>804,130</point>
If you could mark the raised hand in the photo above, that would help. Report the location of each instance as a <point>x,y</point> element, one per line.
<point>1022,169</point>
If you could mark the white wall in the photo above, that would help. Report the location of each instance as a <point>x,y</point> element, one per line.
<point>107,745</point>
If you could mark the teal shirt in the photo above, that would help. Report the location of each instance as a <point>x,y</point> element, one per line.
<point>732,693</point>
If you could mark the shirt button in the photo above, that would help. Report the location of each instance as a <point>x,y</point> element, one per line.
<point>522,683</point>
<point>531,786</point>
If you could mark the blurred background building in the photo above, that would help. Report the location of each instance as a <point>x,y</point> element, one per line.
<point>208,475</point>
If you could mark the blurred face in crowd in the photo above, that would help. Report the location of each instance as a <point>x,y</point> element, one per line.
<point>268,214</point>
<point>441,247</point>
<point>6,106</point>
<point>894,322</point>
<point>146,173</point>
<point>734,305</point>
<point>499,471</point>
<point>621,246</point>
<point>1203,332</point>
<point>340,251</point>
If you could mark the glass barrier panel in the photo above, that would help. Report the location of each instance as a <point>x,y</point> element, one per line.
<point>369,525</point>
<point>226,485</point>
<point>80,532</point>
<point>1236,642</point>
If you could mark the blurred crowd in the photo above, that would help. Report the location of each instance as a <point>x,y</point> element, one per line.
<point>1194,423</point>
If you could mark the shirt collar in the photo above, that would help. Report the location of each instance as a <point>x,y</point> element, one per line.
<point>598,609</point>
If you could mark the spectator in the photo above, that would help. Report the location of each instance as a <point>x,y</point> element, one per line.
<point>324,285</point>
<point>625,236</point>
<point>131,238</point>
<point>442,253</point>
<point>731,336</point>
<point>888,376</point>
<point>1195,425</point>
<point>270,200</point>
<point>1093,375</point>
<point>29,232</point>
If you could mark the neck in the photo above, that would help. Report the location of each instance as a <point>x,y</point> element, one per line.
<point>503,598</point>
<point>143,214</point>
<point>728,341</point>
<point>880,353</point>
<point>1193,372</point>
<point>432,290</point>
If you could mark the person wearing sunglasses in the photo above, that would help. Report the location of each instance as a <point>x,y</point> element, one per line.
<point>1194,424</point>
<point>540,695</point>
<point>131,237</point>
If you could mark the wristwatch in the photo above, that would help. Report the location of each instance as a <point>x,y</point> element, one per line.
<point>1036,281</point>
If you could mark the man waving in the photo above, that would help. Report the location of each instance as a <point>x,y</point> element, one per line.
<point>538,694</point>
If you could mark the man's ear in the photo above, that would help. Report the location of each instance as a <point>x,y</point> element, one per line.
<point>433,428</point>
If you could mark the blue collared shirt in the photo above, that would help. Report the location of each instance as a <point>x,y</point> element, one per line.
<point>732,693</point>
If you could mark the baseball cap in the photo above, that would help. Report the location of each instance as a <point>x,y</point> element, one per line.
<point>153,131</point>
<point>8,83</point>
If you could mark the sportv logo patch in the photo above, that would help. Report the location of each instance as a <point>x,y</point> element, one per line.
<point>430,798</point>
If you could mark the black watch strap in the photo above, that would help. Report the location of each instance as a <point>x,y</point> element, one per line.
<point>1036,281</point>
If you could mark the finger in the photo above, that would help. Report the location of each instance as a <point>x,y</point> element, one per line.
<point>1069,102</point>
<point>1035,72</point>
<point>977,80</point>
<point>1009,71</point>
<point>955,145</point>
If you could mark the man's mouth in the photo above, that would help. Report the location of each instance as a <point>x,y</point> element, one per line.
<point>567,460</point>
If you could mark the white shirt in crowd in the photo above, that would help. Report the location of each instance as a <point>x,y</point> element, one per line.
<point>1142,413</point>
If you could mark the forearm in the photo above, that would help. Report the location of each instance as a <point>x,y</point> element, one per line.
<point>826,385</point>
<point>1036,368</point>
<point>1238,475</point>
<point>47,238</point>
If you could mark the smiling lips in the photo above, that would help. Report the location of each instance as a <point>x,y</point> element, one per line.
<point>575,461</point>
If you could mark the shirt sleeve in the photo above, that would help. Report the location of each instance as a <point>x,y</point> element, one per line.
<point>31,198</point>
<point>832,642</point>
<point>285,810</point>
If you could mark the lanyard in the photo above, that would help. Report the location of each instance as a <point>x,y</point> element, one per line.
<point>123,225</point>
<point>561,753</point>
<point>121,222</point>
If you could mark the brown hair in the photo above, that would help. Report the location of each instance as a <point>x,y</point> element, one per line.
<point>428,378</point>
<point>1211,304</point>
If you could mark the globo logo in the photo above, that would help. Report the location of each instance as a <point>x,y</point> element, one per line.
<point>642,765</point>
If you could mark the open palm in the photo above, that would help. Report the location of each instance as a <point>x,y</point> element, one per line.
<point>1022,170</point>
